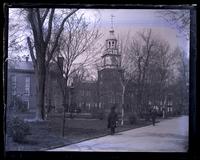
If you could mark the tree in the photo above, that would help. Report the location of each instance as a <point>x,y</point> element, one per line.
<point>126,73</point>
<point>178,18</point>
<point>43,43</point>
<point>77,49</point>
<point>182,80</point>
<point>152,62</point>
<point>141,50</point>
<point>161,69</point>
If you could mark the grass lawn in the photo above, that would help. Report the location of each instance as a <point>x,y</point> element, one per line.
<point>48,134</point>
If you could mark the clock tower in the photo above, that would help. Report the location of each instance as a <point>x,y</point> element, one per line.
<point>111,57</point>
<point>110,89</point>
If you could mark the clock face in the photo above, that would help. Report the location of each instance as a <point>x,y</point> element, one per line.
<point>108,61</point>
<point>114,60</point>
<point>111,60</point>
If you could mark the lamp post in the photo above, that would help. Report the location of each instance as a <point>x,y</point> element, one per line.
<point>67,108</point>
<point>71,91</point>
<point>149,110</point>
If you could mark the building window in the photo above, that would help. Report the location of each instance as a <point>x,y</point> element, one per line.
<point>27,86</point>
<point>83,93</point>
<point>109,44</point>
<point>27,104</point>
<point>99,104</point>
<point>13,85</point>
<point>88,93</point>
<point>113,43</point>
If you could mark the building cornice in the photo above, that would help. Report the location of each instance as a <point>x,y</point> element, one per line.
<point>21,71</point>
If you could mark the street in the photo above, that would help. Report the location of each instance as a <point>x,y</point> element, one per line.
<point>169,135</point>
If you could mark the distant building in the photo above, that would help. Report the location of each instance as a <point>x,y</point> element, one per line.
<point>109,77</point>
<point>107,90</point>
<point>87,95</point>
<point>21,84</point>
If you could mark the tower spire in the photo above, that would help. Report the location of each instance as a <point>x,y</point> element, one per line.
<point>112,16</point>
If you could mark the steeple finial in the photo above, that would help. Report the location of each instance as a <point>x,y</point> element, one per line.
<point>112,16</point>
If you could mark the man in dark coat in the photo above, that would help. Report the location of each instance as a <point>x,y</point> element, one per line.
<point>153,114</point>
<point>112,120</point>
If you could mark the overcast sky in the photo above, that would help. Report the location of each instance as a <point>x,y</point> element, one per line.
<point>134,20</point>
<point>125,21</point>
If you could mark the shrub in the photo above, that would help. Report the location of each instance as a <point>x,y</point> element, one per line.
<point>19,129</point>
<point>21,106</point>
<point>101,115</point>
<point>132,118</point>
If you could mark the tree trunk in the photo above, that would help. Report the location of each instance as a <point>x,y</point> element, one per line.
<point>41,76</point>
<point>123,94</point>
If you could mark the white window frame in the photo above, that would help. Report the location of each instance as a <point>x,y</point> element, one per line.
<point>27,85</point>
<point>99,104</point>
<point>28,104</point>
<point>13,85</point>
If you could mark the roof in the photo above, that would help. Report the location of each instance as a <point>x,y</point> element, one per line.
<point>111,35</point>
<point>21,65</point>
<point>27,65</point>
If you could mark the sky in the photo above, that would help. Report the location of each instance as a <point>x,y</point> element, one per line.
<point>125,21</point>
<point>134,20</point>
<point>131,21</point>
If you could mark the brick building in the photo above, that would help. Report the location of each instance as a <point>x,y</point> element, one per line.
<point>107,90</point>
<point>21,84</point>
<point>87,95</point>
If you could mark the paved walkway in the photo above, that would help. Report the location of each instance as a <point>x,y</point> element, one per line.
<point>169,135</point>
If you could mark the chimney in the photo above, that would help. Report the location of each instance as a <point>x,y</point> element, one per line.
<point>27,57</point>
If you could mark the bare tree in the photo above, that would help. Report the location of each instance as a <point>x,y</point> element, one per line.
<point>77,48</point>
<point>140,52</point>
<point>152,62</point>
<point>16,37</point>
<point>179,19</point>
<point>182,79</point>
<point>126,72</point>
<point>42,46</point>
<point>163,62</point>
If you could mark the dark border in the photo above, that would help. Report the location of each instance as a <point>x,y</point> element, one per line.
<point>191,154</point>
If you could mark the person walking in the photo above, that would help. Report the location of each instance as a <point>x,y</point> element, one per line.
<point>112,120</point>
<point>153,114</point>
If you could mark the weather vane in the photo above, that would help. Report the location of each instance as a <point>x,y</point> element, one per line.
<point>112,16</point>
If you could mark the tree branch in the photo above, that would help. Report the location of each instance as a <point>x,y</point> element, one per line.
<point>31,51</point>
<point>60,31</point>
<point>39,26</point>
<point>49,28</point>
<point>45,15</point>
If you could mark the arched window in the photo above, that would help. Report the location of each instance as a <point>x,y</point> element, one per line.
<point>113,43</point>
<point>109,44</point>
